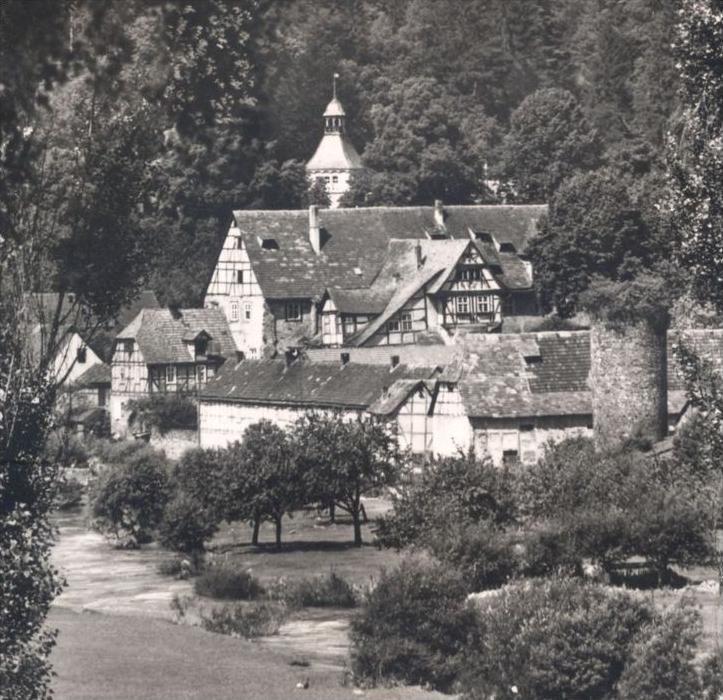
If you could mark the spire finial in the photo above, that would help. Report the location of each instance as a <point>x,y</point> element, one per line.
<point>336,75</point>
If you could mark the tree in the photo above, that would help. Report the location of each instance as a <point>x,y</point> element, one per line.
<point>274,485</point>
<point>460,490</point>
<point>548,141</point>
<point>345,459</point>
<point>592,228</point>
<point>317,193</point>
<point>130,497</point>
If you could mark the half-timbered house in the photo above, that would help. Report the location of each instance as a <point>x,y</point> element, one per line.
<point>166,351</point>
<point>291,278</point>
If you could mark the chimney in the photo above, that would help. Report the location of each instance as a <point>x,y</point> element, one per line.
<point>394,361</point>
<point>438,213</point>
<point>344,358</point>
<point>314,229</point>
<point>418,252</point>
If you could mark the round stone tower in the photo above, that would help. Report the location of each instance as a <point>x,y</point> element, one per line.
<point>628,381</point>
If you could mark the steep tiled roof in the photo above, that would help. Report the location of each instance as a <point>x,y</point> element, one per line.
<point>160,333</point>
<point>499,375</point>
<point>323,384</point>
<point>400,297</point>
<point>359,238</point>
<point>98,373</point>
<point>359,301</point>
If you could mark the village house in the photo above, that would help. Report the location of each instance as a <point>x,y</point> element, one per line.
<point>372,276</point>
<point>335,160</point>
<point>166,351</point>
<point>72,355</point>
<point>506,395</point>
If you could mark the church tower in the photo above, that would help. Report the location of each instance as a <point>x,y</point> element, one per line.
<point>335,158</point>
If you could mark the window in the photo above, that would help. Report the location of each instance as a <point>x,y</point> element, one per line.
<point>81,355</point>
<point>349,325</point>
<point>461,305</point>
<point>201,374</point>
<point>234,311</point>
<point>406,321</point>
<point>102,396</point>
<point>269,244</point>
<point>240,243</point>
<point>293,311</point>
<point>201,345</point>
<point>122,372</point>
<point>393,325</point>
<point>334,179</point>
<point>326,178</point>
<point>510,457</point>
<point>240,276</point>
<point>469,274</point>
<point>128,347</point>
<point>170,374</point>
<point>247,312</point>
<point>483,304</point>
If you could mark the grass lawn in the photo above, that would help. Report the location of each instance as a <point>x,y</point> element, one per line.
<point>310,546</point>
<point>102,656</point>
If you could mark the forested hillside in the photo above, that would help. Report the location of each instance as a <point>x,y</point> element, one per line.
<point>443,98</point>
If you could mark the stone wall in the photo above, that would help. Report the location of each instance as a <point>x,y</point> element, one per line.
<point>174,442</point>
<point>278,333</point>
<point>628,382</point>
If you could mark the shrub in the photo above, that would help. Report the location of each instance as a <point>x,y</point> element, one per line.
<point>661,664</point>
<point>459,489</point>
<point>164,412</point>
<point>186,525</point>
<point>199,475</point>
<point>116,452</point>
<point>712,678</point>
<point>321,591</point>
<point>69,494</point>
<point>181,567</point>
<point>546,553</point>
<point>246,620</point>
<point>225,582</point>
<point>128,500</point>
<point>483,555</point>
<point>553,639</point>
<point>97,423</point>
<point>65,450</point>
<point>414,627</point>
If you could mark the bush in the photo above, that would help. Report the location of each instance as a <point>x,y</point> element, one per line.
<point>712,678</point>
<point>98,423</point>
<point>116,452</point>
<point>661,664</point>
<point>485,556</point>
<point>164,412</point>
<point>69,494</point>
<point>459,489</point>
<point>547,553</point>
<point>225,582</point>
<point>199,475</point>
<point>181,567</point>
<point>246,620</point>
<point>330,591</point>
<point>415,627</point>
<point>553,639</point>
<point>129,499</point>
<point>186,525</point>
<point>65,450</point>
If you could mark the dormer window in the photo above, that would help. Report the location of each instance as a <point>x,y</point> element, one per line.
<point>268,243</point>
<point>128,347</point>
<point>200,345</point>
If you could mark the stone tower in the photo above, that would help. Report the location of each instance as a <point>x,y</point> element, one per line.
<point>335,158</point>
<point>628,376</point>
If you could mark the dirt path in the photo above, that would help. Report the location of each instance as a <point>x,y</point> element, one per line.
<point>126,582</point>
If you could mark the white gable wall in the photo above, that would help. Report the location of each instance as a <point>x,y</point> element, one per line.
<point>241,301</point>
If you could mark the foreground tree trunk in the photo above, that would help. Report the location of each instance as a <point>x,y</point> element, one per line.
<point>255,535</point>
<point>277,522</point>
